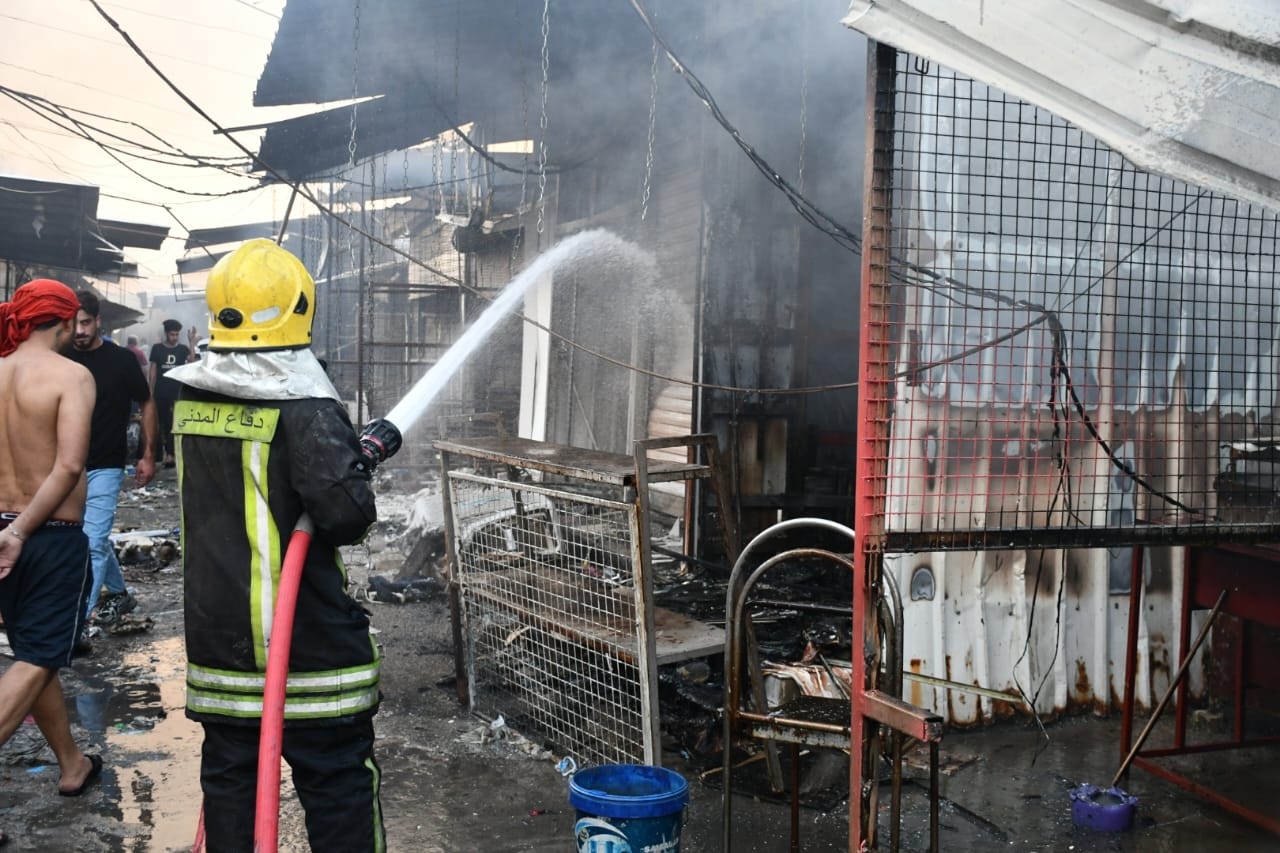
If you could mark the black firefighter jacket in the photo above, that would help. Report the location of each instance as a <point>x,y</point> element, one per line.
<point>247,470</point>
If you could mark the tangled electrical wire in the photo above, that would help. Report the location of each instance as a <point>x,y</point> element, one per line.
<point>902,271</point>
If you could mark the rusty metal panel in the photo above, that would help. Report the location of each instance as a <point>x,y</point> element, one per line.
<point>1037,625</point>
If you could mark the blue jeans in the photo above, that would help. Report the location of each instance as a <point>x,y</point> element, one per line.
<point>99,518</point>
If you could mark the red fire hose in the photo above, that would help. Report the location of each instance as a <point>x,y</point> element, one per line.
<point>266,822</point>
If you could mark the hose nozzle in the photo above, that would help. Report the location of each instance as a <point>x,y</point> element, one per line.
<point>379,441</point>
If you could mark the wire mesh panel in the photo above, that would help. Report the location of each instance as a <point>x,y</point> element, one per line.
<point>550,580</point>
<point>1082,353</point>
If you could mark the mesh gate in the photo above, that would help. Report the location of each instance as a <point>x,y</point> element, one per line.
<point>548,585</point>
<point>554,586</point>
<point>1064,350</point>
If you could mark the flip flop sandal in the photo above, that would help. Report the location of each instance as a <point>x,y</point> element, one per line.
<point>95,770</point>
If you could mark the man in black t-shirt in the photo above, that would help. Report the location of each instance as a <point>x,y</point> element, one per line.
<point>120,384</point>
<point>165,356</point>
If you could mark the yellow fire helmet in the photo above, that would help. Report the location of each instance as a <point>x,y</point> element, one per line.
<point>260,297</point>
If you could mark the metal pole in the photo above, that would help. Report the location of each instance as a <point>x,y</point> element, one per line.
<point>1131,648</point>
<point>961,687</point>
<point>284,223</point>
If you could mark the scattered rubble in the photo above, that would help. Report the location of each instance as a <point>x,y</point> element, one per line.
<point>384,591</point>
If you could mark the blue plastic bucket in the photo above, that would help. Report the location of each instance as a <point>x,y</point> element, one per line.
<point>628,808</point>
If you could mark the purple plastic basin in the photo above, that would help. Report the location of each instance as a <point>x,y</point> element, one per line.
<point>1103,809</point>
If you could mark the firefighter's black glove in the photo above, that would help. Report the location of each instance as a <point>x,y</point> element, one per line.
<point>378,442</point>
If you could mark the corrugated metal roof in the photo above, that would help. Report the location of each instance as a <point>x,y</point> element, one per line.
<point>133,234</point>
<point>56,224</point>
<point>437,62</point>
<point>1187,88</point>
<point>311,145</point>
<point>326,50</point>
<point>202,237</point>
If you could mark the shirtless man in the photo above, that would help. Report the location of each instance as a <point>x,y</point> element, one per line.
<point>45,406</point>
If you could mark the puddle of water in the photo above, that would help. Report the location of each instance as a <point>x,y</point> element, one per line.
<point>152,791</point>
<point>154,749</point>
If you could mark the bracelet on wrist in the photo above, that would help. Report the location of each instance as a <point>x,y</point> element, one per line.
<point>12,531</point>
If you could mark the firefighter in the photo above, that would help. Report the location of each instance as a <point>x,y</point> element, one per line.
<point>262,438</point>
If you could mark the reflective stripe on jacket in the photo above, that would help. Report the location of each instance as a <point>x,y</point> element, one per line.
<point>313,695</point>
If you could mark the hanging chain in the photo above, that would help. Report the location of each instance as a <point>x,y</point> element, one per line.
<point>368,206</point>
<point>524,125</point>
<point>480,167</point>
<point>355,84</point>
<point>470,174</point>
<point>653,123</point>
<point>804,110</point>
<point>353,262</point>
<point>436,187</point>
<point>454,179</point>
<point>375,247</point>
<point>351,234</point>
<point>437,168</point>
<point>542,119</point>
<point>437,156</point>
<point>351,141</point>
<point>341,196</point>
<point>404,188</point>
<point>459,189</point>
<point>367,283</point>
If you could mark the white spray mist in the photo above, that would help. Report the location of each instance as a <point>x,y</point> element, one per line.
<point>585,244</point>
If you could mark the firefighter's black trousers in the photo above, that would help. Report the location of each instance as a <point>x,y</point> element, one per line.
<point>334,773</point>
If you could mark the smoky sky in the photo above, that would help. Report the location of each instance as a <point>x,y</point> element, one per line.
<point>789,76</point>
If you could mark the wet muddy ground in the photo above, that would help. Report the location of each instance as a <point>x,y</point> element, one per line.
<point>452,784</point>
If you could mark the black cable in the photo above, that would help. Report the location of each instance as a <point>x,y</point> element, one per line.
<point>111,152</point>
<point>64,110</point>
<point>267,167</point>
<point>1116,461</point>
<point>84,130</point>
<point>809,211</point>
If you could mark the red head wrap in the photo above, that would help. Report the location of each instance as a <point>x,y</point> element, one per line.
<point>34,303</point>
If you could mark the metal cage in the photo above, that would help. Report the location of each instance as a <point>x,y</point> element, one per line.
<point>553,590</point>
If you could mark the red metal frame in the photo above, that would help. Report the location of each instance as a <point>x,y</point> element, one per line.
<point>875,390</point>
<point>1252,577</point>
